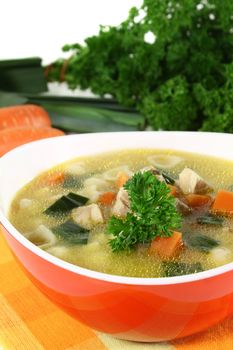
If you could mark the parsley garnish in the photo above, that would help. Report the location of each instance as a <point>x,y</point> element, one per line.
<point>152,213</point>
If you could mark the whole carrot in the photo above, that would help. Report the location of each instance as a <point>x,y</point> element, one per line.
<point>11,138</point>
<point>23,115</point>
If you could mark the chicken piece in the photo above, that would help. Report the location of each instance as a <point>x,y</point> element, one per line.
<point>191,182</point>
<point>88,216</point>
<point>121,206</point>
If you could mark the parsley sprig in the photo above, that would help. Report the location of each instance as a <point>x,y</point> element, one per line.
<point>152,213</point>
<point>181,79</point>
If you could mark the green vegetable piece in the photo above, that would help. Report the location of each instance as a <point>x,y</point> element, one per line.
<point>152,213</point>
<point>11,99</point>
<point>200,242</point>
<point>66,203</point>
<point>72,181</point>
<point>169,180</point>
<point>210,220</point>
<point>71,233</point>
<point>22,75</point>
<point>173,268</point>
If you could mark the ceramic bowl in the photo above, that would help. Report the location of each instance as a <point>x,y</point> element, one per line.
<point>139,309</point>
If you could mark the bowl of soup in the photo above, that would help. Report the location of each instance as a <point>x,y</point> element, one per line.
<point>130,233</point>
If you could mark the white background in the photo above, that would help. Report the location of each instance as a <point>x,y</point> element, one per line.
<point>40,28</point>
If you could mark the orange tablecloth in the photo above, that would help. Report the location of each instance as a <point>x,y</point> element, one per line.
<point>28,320</point>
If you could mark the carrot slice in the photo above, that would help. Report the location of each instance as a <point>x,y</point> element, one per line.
<point>173,189</point>
<point>223,202</point>
<point>25,115</point>
<point>197,200</point>
<point>54,179</point>
<point>107,198</point>
<point>166,247</point>
<point>11,138</point>
<point>122,178</point>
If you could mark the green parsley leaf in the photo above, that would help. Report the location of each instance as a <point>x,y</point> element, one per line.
<point>152,213</point>
<point>181,80</point>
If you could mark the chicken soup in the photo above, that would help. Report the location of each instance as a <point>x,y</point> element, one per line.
<point>137,213</point>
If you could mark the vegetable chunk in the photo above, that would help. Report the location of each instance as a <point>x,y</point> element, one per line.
<point>70,232</point>
<point>66,203</point>
<point>107,198</point>
<point>223,203</point>
<point>167,247</point>
<point>88,216</point>
<point>197,200</point>
<point>54,179</point>
<point>190,182</point>
<point>173,268</point>
<point>121,179</point>
<point>25,115</point>
<point>14,137</point>
<point>200,242</point>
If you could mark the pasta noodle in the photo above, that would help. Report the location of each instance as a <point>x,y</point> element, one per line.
<point>164,161</point>
<point>112,174</point>
<point>76,168</point>
<point>42,237</point>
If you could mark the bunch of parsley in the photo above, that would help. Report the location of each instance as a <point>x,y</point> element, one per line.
<point>180,79</point>
<point>152,213</point>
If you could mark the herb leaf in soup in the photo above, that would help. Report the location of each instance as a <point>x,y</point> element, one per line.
<point>173,268</point>
<point>66,204</point>
<point>71,233</point>
<point>210,220</point>
<point>152,213</point>
<point>200,242</point>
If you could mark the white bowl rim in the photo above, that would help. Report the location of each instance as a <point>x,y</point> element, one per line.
<point>154,281</point>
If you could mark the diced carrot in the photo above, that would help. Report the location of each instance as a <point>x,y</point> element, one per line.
<point>198,200</point>
<point>166,247</point>
<point>107,198</point>
<point>11,138</point>
<point>54,179</point>
<point>122,178</point>
<point>173,190</point>
<point>223,203</point>
<point>23,115</point>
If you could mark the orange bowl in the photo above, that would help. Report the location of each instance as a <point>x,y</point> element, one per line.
<point>139,309</point>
